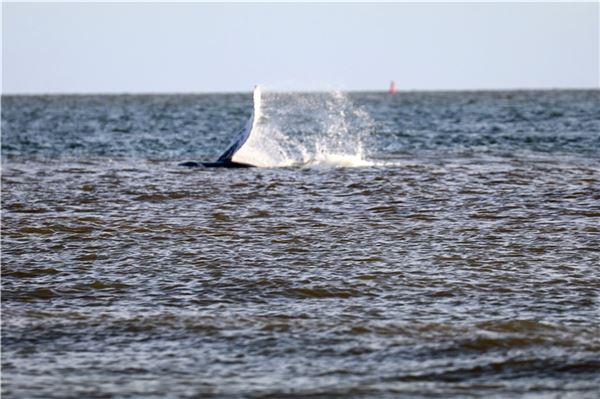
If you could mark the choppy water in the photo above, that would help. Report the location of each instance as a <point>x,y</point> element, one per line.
<point>460,258</point>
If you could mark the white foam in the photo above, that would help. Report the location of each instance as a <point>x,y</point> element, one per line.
<point>323,158</point>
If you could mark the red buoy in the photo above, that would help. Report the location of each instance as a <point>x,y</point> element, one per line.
<point>393,87</point>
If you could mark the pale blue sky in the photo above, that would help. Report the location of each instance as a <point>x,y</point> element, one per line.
<point>160,47</point>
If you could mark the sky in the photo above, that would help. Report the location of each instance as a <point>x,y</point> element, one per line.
<point>210,47</point>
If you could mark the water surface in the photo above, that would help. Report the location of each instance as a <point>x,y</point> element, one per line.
<point>461,259</point>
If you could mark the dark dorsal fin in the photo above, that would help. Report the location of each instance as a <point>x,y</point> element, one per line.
<point>226,160</point>
<point>239,140</point>
<point>243,134</point>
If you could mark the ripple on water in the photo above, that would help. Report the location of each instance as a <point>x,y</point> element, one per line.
<point>434,275</point>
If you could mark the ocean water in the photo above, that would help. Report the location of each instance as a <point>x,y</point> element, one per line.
<point>439,244</point>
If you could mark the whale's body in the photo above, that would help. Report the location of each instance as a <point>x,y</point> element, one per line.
<point>232,157</point>
<point>227,164</point>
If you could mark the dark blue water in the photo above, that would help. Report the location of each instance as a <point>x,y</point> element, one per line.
<point>455,255</point>
<point>172,127</point>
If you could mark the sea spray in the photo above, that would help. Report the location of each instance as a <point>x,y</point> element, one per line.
<point>316,129</point>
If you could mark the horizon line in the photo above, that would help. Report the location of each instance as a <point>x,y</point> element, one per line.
<point>399,91</point>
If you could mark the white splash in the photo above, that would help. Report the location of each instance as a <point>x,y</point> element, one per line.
<point>331,159</point>
<point>307,130</point>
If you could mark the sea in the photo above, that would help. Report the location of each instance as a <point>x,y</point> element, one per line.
<point>416,245</point>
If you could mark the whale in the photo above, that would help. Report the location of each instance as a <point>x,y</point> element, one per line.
<point>231,158</point>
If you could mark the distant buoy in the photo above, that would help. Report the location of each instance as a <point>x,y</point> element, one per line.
<point>393,87</point>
